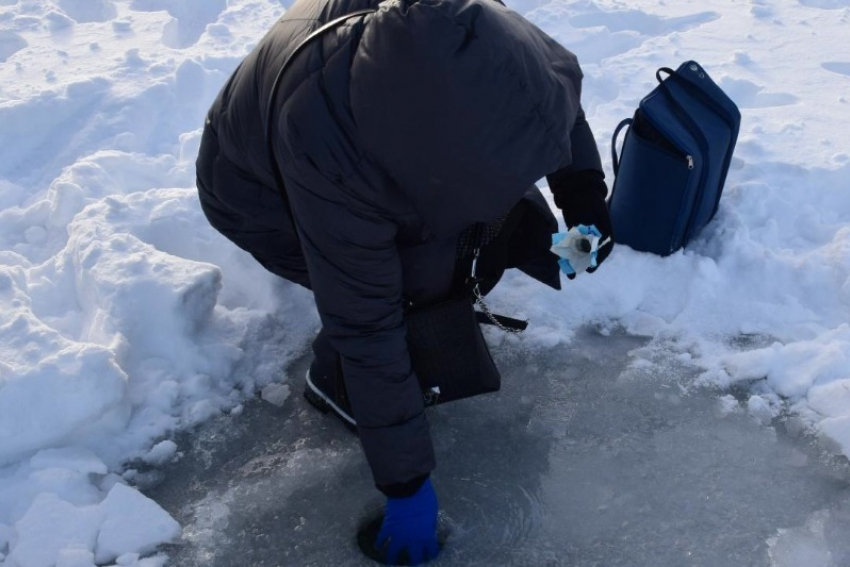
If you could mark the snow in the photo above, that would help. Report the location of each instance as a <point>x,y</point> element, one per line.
<point>161,453</point>
<point>124,318</point>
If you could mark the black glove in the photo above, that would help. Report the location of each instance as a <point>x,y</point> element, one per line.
<point>581,197</point>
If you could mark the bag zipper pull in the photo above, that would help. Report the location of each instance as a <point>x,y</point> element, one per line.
<point>690,161</point>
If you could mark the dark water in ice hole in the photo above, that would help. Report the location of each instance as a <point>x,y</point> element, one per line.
<point>579,460</point>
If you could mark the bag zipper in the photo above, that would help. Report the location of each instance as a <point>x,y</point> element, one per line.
<point>681,154</point>
<point>725,114</point>
<point>692,127</point>
<point>689,159</point>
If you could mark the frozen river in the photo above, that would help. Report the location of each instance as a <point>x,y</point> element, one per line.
<point>583,459</point>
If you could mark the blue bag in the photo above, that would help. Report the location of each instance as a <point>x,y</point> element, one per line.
<point>675,156</point>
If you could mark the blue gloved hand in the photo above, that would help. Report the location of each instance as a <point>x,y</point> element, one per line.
<point>578,249</point>
<point>581,197</point>
<point>408,534</point>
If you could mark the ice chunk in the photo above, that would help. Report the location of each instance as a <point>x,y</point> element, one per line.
<point>835,431</point>
<point>759,408</point>
<point>276,394</point>
<point>161,453</point>
<point>133,524</point>
<point>50,526</point>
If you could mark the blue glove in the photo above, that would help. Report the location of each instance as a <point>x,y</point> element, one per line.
<point>578,249</point>
<point>581,197</point>
<point>410,525</point>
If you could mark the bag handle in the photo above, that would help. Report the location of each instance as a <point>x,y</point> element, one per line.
<point>670,73</point>
<point>695,90</point>
<point>615,159</point>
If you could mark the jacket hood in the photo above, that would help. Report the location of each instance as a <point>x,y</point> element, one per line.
<point>462,102</point>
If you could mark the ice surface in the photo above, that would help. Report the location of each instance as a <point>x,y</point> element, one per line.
<point>590,455</point>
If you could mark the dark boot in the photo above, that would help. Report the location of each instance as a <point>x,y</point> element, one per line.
<point>324,388</point>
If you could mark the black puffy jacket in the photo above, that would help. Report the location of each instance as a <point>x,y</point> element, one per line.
<point>394,132</point>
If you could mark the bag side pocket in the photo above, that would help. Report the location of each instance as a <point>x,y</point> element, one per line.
<point>653,182</point>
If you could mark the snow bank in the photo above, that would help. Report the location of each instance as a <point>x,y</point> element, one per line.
<point>53,530</point>
<point>123,316</point>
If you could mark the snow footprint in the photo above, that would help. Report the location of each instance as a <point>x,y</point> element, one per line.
<point>761,9</point>
<point>840,67</point>
<point>641,22</point>
<point>190,18</point>
<point>84,11</point>
<point>605,34</point>
<point>826,4</point>
<point>10,43</point>
<point>747,94</point>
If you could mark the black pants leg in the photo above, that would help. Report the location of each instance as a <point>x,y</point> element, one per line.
<point>326,369</point>
<point>326,360</point>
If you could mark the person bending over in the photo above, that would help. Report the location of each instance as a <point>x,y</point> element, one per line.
<point>395,134</point>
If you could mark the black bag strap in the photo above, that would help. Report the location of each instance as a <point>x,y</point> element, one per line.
<point>270,108</point>
<point>278,176</point>
<point>502,321</point>
<point>615,158</point>
<point>507,324</point>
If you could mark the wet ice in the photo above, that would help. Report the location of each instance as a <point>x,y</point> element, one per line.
<point>583,458</point>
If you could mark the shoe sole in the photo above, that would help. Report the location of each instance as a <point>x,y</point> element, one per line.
<point>324,404</point>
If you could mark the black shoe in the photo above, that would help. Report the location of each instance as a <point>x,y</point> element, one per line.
<point>327,393</point>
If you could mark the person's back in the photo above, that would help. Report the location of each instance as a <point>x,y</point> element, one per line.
<point>394,133</point>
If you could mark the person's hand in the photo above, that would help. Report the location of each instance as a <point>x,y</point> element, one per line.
<point>581,198</point>
<point>408,534</point>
